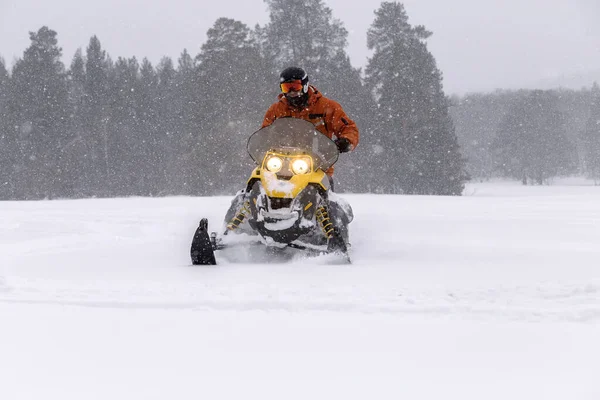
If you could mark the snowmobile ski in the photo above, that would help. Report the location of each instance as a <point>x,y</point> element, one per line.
<point>337,245</point>
<point>202,249</point>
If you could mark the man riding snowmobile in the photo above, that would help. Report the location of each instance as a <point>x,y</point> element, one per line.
<point>298,99</point>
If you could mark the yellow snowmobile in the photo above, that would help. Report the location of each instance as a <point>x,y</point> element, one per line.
<point>287,202</point>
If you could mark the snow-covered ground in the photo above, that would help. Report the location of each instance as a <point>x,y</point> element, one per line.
<point>493,295</point>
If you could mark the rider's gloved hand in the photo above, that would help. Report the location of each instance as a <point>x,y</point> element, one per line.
<point>343,145</point>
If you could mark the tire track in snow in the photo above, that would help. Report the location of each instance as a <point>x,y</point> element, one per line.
<point>576,303</point>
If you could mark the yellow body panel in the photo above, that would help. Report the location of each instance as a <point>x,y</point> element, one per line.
<point>289,186</point>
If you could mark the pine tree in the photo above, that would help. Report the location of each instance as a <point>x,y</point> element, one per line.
<point>8,148</point>
<point>40,101</point>
<point>123,127</point>
<point>417,148</point>
<point>96,116</point>
<point>3,74</point>
<point>148,165</point>
<point>79,155</point>
<point>232,106</point>
<point>532,144</point>
<point>187,96</point>
<point>77,77</point>
<point>302,33</point>
<point>591,137</point>
<point>167,144</point>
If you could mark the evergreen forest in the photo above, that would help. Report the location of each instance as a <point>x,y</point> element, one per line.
<point>104,127</point>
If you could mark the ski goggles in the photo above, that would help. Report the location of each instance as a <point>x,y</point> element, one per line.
<point>294,86</point>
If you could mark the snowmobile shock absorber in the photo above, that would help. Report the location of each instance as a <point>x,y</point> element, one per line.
<point>322,216</point>
<point>239,218</point>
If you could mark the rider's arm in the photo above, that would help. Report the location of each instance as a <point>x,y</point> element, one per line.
<point>341,125</point>
<point>270,115</point>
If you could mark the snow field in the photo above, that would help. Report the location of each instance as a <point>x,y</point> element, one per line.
<point>495,294</point>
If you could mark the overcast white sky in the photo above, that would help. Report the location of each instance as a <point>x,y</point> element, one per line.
<point>478,44</point>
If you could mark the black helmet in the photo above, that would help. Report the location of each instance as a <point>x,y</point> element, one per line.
<point>293,82</point>
<point>294,74</point>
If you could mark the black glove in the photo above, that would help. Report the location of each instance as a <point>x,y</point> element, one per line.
<point>343,145</point>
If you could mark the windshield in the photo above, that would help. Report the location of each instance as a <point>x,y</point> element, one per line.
<point>293,135</point>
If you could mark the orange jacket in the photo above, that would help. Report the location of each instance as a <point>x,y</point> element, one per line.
<point>327,115</point>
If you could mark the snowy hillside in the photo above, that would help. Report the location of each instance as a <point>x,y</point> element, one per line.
<point>493,295</point>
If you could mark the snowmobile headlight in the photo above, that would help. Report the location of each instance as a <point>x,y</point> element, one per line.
<point>274,164</point>
<point>300,166</point>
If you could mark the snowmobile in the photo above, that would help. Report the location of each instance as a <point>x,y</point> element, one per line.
<point>287,204</point>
